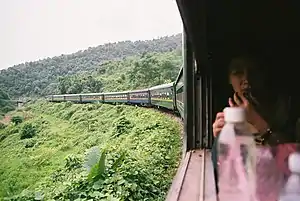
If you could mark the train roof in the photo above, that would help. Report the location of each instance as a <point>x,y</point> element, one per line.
<point>162,86</point>
<point>85,94</point>
<point>115,93</point>
<point>98,94</point>
<point>140,90</point>
<point>92,94</point>
<point>59,95</point>
<point>180,74</point>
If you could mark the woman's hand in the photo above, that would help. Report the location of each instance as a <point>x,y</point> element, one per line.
<point>252,116</point>
<point>240,101</point>
<point>218,124</point>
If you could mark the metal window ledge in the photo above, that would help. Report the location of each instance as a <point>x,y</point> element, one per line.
<point>194,180</point>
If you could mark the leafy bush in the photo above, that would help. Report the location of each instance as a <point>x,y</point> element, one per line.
<point>131,154</point>
<point>26,196</point>
<point>30,142</point>
<point>17,120</point>
<point>7,108</point>
<point>8,130</point>
<point>72,162</point>
<point>2,136</point>
<point>2,114</point>
<point>122,126</point>
<point>27,131</point>
<point>2,125</point>
<point>12,129</point>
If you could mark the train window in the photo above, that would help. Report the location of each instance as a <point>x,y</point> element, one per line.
<point>258,62</point>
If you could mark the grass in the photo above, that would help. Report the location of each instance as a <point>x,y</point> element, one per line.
<point>150,140</point>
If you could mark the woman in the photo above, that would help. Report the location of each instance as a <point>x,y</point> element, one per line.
<point>271,111</point>
<point>239,71</point>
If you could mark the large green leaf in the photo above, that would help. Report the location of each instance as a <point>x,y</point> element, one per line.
<point>92,158</point>
<point>118,161</point>
<point>98,170</point>
<point>101,164</point>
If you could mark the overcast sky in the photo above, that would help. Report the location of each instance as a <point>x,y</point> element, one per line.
<point>35,29</point>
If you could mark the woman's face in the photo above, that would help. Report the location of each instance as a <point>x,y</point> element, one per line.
<point>239,83</point>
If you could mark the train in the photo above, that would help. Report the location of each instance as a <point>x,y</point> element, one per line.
<point>168,96</point>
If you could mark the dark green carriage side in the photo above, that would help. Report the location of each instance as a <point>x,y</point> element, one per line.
<point>116,97</point>
<point>92,97</point>
<point>179,93</point>
<point>162,96</point>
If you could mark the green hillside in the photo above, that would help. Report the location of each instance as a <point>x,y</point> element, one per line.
<point>58,152</point>
<point>103,62</point>
<point>5,103</point>
<point>131,73</point>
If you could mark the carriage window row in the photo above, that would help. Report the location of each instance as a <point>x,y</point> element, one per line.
<point>92,97</point>
<point>116,96</point>
<point>161,94</point>
<point>140,95</point>
<point>179,97</point>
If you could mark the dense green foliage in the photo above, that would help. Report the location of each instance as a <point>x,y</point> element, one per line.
<point>43,77</point>
<point>17,120</point>
<point>131,73</point>
<point>5,103</point>
<point>91,151</point>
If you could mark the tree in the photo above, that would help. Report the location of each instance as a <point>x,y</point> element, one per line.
<point>17,120</point>
<point>6,104</point>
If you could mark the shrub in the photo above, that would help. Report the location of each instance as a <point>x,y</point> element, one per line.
<point>17,120</point>
<point>28,131</point>
<point>11,129</point>
<point>72,162</point>
<point>122,126</point>
<point>2,125</point>
<point>7,108</point>
<point>2,137</point>
<point>30,143</point>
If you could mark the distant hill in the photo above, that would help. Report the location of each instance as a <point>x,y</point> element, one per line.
<point>5,103</point>
<point>44,76</point>
<point>135,72</point>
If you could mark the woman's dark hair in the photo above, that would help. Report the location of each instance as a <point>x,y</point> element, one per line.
<point>261,84</point>
<point>269,88</point>
<point>256,72</point>
<point>267,76</point>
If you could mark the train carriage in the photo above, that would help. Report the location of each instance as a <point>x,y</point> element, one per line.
<point>139,97</point>
<point>72,97</point>
<point>49,98</point>
<point>179,93</point>
<point>116,97</point>
<point>162,95</point>
<point>92,97</point>
<point>58,98</point>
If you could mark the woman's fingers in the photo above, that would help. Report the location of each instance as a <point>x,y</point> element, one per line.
<point>237,99</point>
<point>220,124</point>
<point>217,126</point>
<point>219,115</point>
<point>230,102</point>
<point>244,100</point>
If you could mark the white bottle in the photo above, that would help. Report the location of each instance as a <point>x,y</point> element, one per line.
<point>236,156</point>
<point>269,178</point>
<point>291,190</point>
